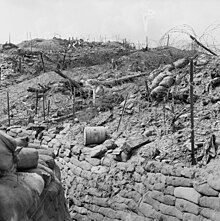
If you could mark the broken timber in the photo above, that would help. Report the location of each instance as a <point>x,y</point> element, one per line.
<point>123,79</point>
<point>73,82</point>
<point>200,44</point>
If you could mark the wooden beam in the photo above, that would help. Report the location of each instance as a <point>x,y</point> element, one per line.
<point>201,45</point>
<point>192,113</point>
<point>73,82</point>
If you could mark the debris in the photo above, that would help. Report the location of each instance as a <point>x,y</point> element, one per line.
<point>94,135</point>
<point>209,150</point>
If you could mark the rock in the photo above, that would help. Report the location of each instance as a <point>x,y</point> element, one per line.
<point>210,202</point>
<point>186,206</point>
<point>205,189</point>
<point>98,150</point>
<point>214,182</point>
<point>187,193</point>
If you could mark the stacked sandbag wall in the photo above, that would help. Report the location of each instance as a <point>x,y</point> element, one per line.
<point>103,189</point>
<point>34,192</point>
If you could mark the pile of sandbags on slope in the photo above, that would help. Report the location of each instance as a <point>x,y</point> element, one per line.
<point>162,78</point>
<point>161,84</point>
<point>8,153</point>
<point>29,180</point>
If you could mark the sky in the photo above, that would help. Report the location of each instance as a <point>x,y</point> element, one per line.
<point>104,19</point>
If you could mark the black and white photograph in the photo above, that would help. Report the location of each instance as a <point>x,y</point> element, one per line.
<point>110,110</point>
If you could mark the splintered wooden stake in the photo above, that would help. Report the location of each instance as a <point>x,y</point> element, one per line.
<point>123,110</point>
<point>8,109</point>
<point>0,77</point>
<point>192,113</point>
<point>48,108</point>
<point>44,105</point>
<point>36,102</point>
<point>168,40</point>
<point>74,100</point>
<point>42,61</point>
<point>20,65</point>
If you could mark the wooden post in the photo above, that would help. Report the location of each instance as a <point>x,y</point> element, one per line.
<point>147,91</point>
<point>31,41</point>
<point>44,105</point>
<point>8,109</point>
<point>74,100</point>
<point>0,77</point>
<point>123,110</point>
<point>36,102</point>
<point>42,61</point>
<point>168,40</point>
<point>48,108</point>
<point>192,113</point>
<point>19,64</point>
<point>146,43</point>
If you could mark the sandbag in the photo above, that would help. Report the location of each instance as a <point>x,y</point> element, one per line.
<point>22,141</point>
<point>16,198</point>
<point>181,63</point>
<point>48,151</point>
<point>45,175</point>
<point>36,146</point>
<point>48,160</point>
<point>7,150</point>
<point>167,81</point>
<point>34,181</point>
<point>46,169</point>
<point>159,92</point>
<point>27,158</point>
<point>57,172</point>
<point>158,79</point>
